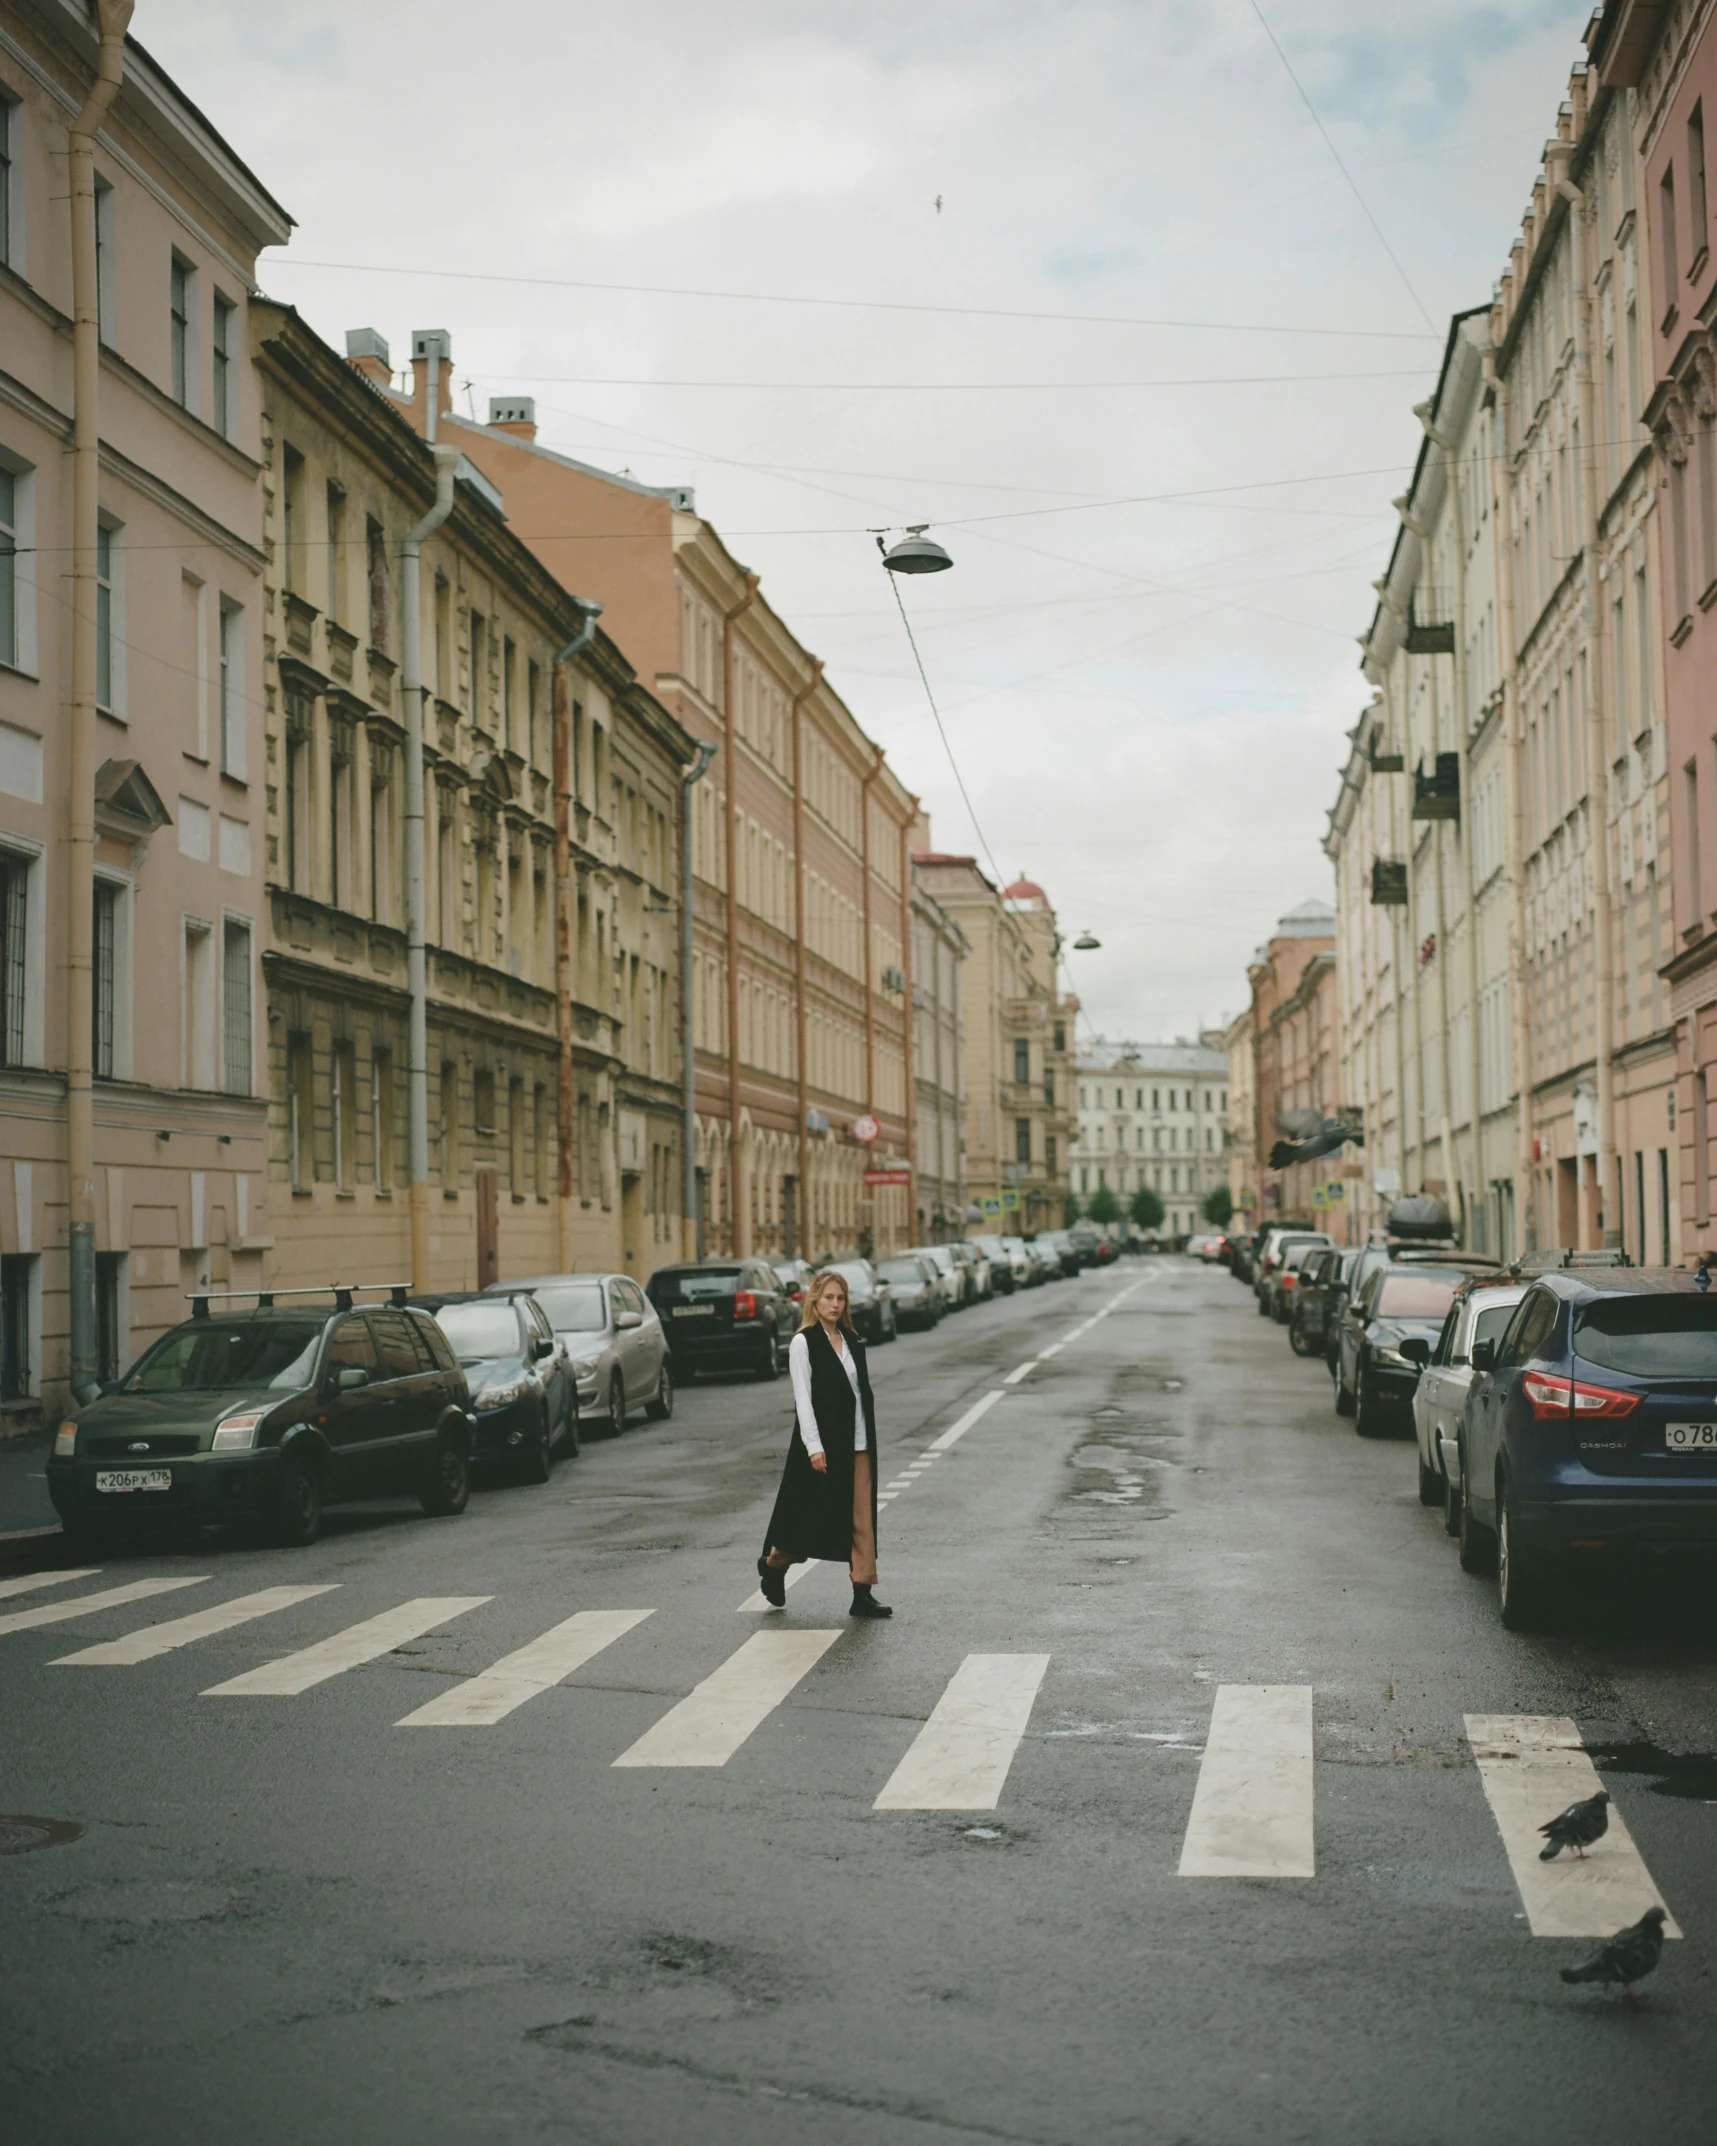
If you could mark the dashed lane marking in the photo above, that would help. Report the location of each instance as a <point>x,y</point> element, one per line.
<point>709,1724</point>
<point>479,1702</point>
<point>959,1760</point>
<point>1019,1372</point>
<point>88,1605</point>
<point>1252,1813</point>
<point>32,1580</point>
<point>1532,1766</point>
<point>957,1430</point>
<point>153,1639</point>
<point>295,1673</point>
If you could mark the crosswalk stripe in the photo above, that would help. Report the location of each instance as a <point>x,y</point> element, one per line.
<point>88,1605</point>
<point>293,1673</point>
<point>478,1702</point>
<point>32,1580</point>
<point>1532,1766</point>
<point>153,1639</point>
<point>956,1431</point>
<point>794,1574</point>
<point>709,1724</point>
<point>1252,1812</point>
<point>959,1760</point>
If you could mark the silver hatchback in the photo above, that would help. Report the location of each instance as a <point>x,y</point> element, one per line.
<point>612,1341</point>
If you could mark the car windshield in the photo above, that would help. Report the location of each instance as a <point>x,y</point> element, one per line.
<point>574,1307</point>
<point>902,1270</point>
<point>211,1354</point>
<point>1650,1336</point>
<point>856,1277</point>
<point>480,1330</point>
<point>1417,1296</point>
<point>696,1282</point>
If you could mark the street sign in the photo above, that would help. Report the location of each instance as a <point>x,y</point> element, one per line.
<point>992,1208</point>
<point>1010,1201</point>
<point>900,1176</point>
<point>865,1129</point>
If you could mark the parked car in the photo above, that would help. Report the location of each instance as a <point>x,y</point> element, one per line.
<point>1085,1238</point>
<point>1240,1250</point>
<point>1028,1267</point>
<point>612,1342</point>
<point>1208,1245</point>
<point>1268,1287</point>
<point>1057,1248</point>
<point>1590,1431</point>
<point>950,1276</point>
<point>794,1276</point>
<point>723,1315</point>
<point>1481,1312</point>
<point>915,1288</point>
<point>266,1416</point>
<point>980,1286</point>
<point>1316,1299</point>
<point>1004,1276</point>
<point>523,1394</point>
<point>1285,1282</point>
<point>1377,1371</point>
<point>869,1300</point>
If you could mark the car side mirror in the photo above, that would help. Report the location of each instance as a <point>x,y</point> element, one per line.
<point>542,1346</point>
<point>350,1377</point>
<point>1483,1356</point>
<point>1416,1350</point>
<point>625,1321</point>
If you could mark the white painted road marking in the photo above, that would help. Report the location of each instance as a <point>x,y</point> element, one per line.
<point>481,1700</point>
<point>31,1581</point>
<point>1019,1372</point>
<point>1532,1766</point>
<point>154,1639</point>
<point>791,1578</point>
<point>1252,1814</point>
<point>956,1431</point>
<point>709,1725</point>
<point>87,1605</point>
<point>959,1760</point>
<point>293,1673</point>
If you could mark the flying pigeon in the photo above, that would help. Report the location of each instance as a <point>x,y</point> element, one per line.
<point>1329,1136</point>
<point>1627,1958</point>
<point>1577,1827</point>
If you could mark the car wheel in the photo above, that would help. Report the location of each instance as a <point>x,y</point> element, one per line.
<point>1263,1309</point>
<point>1297,1342</point>
<point>448,1487</point>
<point>536,1463</point>
<point>1523,1577</point>
<point>1477,1543</point>
<point>662,1407</point>
<point>297,1503</point>
<point>1430,1484</point>
<point>1367,1418</point>
<point>616,1406</point>
<point>769,1363</point>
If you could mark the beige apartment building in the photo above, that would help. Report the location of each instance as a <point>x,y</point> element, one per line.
<point>1240,1047</point>
<point>1021,1108</point>
<point>800,829</point>
<point>1154,1116</point>
<point>551,854</point>
<point>131,736</point>
<point>939,952</point>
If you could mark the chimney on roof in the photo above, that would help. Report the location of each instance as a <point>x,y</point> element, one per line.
<point>516,414</point>
<point>425,344</point>
<point>367,351</point>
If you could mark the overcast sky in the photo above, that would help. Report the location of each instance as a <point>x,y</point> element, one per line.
<point>1146,696</point>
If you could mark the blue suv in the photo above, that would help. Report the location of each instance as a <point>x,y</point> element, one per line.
<point>1590,1426</point>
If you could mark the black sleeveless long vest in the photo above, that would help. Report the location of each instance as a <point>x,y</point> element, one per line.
<point>813,1514</point>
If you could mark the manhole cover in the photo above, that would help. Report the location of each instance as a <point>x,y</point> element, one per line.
<point>19,1835</point>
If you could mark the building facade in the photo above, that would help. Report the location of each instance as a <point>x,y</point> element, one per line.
<point>1154,1115</point>
<point>938,1111</point>
<point>1240,1139</point>
<point>1296,1060</point>
<point>131,737</point>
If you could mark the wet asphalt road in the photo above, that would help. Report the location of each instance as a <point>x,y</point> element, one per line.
<point>289,1920</point>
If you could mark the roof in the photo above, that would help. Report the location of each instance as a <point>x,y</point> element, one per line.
<point>1311,920</point>
<point>1590,1283</point>
<point>1127,1058</point>
<point>1025,890</point>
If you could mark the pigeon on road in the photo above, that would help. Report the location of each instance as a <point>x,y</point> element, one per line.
<point>1627,1958</point>
<point>1577,1827</point>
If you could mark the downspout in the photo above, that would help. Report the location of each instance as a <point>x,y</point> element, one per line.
<point>589,613</point>
<point>1520,1017</point>
<point>1597,672</point>
<point>688,1026</point>
<point>1451,1169</point>
<point>908,1037</point>
<point>739,1218</point>
<point>799,957</point>
<point>79,957</point>
<point>417,977</point>
<point>869,954</point>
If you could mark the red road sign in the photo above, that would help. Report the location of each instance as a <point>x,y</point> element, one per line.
<point>865,1129</point>
<point>901,1176</point>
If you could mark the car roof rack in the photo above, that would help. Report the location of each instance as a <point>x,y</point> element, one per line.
<point>1555,1258</point>
<point>342,1293</point>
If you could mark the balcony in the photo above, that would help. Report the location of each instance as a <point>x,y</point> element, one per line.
<point>1437,796</point>
<point>1429,637</point>
<point>1388,883</point>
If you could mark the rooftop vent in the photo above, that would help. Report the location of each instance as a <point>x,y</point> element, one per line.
<point>513,410</point>
<point>367,343</point>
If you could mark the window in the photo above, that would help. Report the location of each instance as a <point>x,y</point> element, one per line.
<point>106,246</point>
<point>1156,1099</point>
<point>225,381</point>
<point>1690,844</point>
<point>376,567</point>
<point>299,1114</point>
<point>8,565</point>
<point>1022,1060</point>
<point>339,813</point>
<point>336,551</point>
<point>11,189</point>
<point>1642,652</point>
<point>479,670</point>
<point>291,517</point>
<point>381,1120</point>
<point>449,1128</point>
<point>483,1102</point>
<point>182,353</point>
<point>443,637</point>
<point>381,832</point>
<point>104,976</point>
<point>1668,253</point>
<point>17,1325</point>
<point>516,1138</point>
<point>1049,1086</point>
<point>540,1140</point>
<point>14,965</point>
<point>235,1008</point>
<point>342,1099</point>
<point>507,655</point>
<point>199,1037</point>
<point>1022,1140</point>
<point>104,569</point>
<point>533,694</point>
<point>1049,1153</point>
<point>296,834</point>
<point>1697,209</point>
<point>230,692</point>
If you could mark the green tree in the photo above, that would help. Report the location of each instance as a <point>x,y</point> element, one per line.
<point>1103,1206</point>
<point>1146,1208</point>
<point>1217,1207</point>
<point>1070,1209</point>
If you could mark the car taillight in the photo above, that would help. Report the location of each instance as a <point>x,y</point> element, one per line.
<point>1288,1281</point>
<point>744,1304</point>
<point>1553,1396</point>
<point>1603,1401</point>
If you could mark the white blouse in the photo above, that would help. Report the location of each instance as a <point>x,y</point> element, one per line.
<point>799,1368</point>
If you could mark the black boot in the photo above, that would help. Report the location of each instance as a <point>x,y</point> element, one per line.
<point>772,1580</point>
<point>865,1603</point>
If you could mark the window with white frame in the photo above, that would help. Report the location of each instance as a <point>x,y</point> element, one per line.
<point>17,562</point>
<point>182,332</point>
<point>107,967</point>
<point>109,614</point>
<point>229,692</point>
<point>199,1001</point>
<point>8,567</point>
<point>106,260</point>
<point>235,1007</point>
<point>224,353</point>
<point>16,872</point>
<point>11,184</point>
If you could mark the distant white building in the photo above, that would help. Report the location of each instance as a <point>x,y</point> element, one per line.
<point>1154,1114</point>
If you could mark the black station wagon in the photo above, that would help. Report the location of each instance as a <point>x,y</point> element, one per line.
<point>264,1416</point>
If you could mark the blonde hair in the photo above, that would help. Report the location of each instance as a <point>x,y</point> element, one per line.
<point>814,1289</point>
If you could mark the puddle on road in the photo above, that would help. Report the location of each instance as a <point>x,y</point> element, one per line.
<point>1690,1776</point>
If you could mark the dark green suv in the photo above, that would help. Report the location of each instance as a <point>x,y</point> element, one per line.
<point>266,1415</point>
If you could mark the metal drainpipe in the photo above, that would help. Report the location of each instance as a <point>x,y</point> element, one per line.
<point>1446,1134</point>
<point>688,1030</point>
<point>739,1220</point>
<point>873,1203</point>
<point>79,958</point>
<point>909,1077</point>
<point>799,959</point>
<point>589,613</point>
<point>1514,807</point>
<point>417,976</point>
